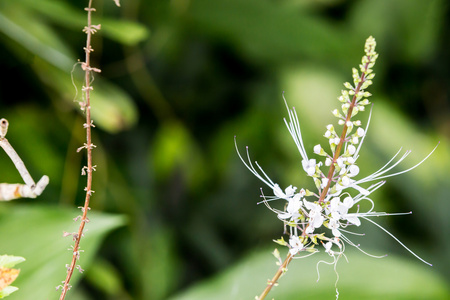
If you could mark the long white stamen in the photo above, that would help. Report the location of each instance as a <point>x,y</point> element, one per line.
<point>355,155</point>
<point>294,129</point>
<point>398,241</point>
<point>252,169</point>
<point>350,232</point>
<point>384,169</point>
<point>395,174</point>
<point>344,238</point>
<point>303,256</point>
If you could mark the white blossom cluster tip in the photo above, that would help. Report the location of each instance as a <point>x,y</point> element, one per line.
<point>326,216</point>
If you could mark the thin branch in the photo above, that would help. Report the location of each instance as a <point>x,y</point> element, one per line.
<point>10,191</point>
<point>277,276</point>
<point>86,66</point>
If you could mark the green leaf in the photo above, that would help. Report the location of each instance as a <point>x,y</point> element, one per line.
<point>35,232</point>
<point>112,108</point>
<point>125,32</point>
<point>7,291</point>
<point>267,30</point>
<point>176,150</point>
<point>411,30</point>
<point>9,261</point>
<point>122,31</point>
<point>25,29</point>
<point>362,277</point>
<point>104,277</point>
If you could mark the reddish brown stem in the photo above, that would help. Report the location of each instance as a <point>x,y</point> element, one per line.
<point>337,153</point>
<point>277,276</point>
<point>84,219</point>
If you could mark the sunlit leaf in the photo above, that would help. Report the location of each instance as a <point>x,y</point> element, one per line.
<point>7,291</point>
<point>35,232</point>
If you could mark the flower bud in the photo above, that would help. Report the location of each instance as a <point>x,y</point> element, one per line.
<point>351,149</point>
<point>349,86</point>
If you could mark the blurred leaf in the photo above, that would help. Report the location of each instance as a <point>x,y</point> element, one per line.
<point>9,261</point>
<point>35,36</point>
<point>7,291</point>
<point>410,28</point>
<point>35,232</point>
<point>175,149</point>
<point>104,277</point>
<point>390,278</point>
<point>122,31</point>
<point>125,32</point>
<point>112,109</point>
<point>159,266</point>
<point>268,31</point>
<point>34,143</point>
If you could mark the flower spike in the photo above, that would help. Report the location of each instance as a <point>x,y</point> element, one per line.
<point>329,215</point>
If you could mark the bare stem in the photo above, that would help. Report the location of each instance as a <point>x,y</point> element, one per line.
<point>87,88</point>
<point>277,276</point>
<point>324,192</point>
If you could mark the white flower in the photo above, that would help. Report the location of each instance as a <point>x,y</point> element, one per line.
<point>337,209</point>
<point>353,170</point>
<point>329,245</point>
<point>296,245</point>
<point>315,216</point>
<point>292,209</point>
<point>340,162</point>
<point>335,140</point>
<point>350,160</point>
<point>334,225</point>
<point>309,166</point>
<point>360,132</point>
<point>352,218</point>
<point>287,194</point>
<point>351,149</point>
<point>345,181</point>
<point>317,149</point>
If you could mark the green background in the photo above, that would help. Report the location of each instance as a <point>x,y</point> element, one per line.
<point>174,215</point>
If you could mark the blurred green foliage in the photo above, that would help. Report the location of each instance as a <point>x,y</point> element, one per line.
<point>179,80</point>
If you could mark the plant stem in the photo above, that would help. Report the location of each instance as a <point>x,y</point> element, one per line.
<point>87,88</point>
<point>275,278</point>
<point>337,153</point>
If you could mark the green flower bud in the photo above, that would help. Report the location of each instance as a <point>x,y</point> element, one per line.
<point>349,86</point>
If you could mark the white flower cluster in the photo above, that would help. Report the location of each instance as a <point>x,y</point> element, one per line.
<point>310,216</point>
